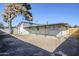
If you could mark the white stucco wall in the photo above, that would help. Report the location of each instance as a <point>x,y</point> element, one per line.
<point>21,30</point>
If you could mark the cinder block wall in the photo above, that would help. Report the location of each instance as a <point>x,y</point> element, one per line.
<point>47,31</point>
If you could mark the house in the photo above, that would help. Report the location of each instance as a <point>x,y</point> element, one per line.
<point>22,25</point>
<point>43,29</point>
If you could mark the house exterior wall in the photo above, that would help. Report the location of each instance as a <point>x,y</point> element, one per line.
<point>21,30</point>
<point>49,30</point>
<point>44,29</point>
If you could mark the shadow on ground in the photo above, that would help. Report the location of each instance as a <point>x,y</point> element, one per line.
<point>11,46</point>
<point>70,47</point>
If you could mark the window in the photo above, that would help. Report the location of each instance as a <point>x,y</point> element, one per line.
<point>37,28</point>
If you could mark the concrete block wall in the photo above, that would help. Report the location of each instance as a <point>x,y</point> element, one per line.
<point>47,31</point>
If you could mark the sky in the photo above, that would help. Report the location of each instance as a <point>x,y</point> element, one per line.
<point>49,12</point>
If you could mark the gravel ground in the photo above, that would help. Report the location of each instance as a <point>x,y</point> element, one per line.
<point>11,46</point>
<point>15,47</point>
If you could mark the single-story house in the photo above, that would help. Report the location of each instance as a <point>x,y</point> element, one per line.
<point>44,29</point>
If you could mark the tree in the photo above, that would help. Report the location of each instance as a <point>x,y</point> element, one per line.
<point>13,9</point>
<point>75,26</point>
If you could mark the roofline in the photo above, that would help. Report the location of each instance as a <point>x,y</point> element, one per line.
<point>64,24</point>
<point>27,22</point>
<point>36,25</point>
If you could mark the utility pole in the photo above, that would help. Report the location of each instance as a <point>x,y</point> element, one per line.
<point>46,28</point>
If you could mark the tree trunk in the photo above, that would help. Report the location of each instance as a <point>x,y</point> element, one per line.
<point>10,27</point>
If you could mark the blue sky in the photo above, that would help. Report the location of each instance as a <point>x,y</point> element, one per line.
<point>53,13</point>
